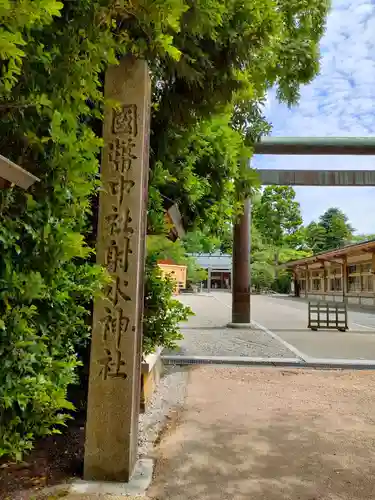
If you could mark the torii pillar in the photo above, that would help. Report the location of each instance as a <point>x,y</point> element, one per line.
<point>241,289</point>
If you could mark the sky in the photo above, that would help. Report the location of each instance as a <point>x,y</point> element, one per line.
<point>339,102</point>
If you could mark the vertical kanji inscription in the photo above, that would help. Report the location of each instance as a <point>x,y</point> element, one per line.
<point>113,402</point>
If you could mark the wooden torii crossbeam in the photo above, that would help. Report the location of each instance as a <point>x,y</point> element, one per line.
<point>358,146</point>
<point>354,178</point>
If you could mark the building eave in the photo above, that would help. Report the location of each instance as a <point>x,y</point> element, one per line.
<point>14,174</point>
<point>364,246</point>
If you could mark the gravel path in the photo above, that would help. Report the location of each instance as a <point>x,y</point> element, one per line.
<point>206,333</point>
<point>167,399</point>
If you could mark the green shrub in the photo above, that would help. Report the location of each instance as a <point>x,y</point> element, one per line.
<point>50,92</point>
<point>162,313</point>
<point>44,316</point>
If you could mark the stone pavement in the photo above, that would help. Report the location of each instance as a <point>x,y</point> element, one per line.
<point>289,322</point>
<point>280,315</point>
<point>206,333</point>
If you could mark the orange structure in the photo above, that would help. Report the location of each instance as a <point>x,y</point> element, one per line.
<point>174,271</point>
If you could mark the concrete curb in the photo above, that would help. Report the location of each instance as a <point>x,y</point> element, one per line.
<point>229,360</point>
<point>328,363</point>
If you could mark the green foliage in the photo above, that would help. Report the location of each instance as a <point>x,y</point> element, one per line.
<point>195,273</point>
<point>50,72</point>
<point>161,248</point>
<point>18,18</point>
<point>198,241</point>
<point>277,237</point>
<point>358,238</point>
<point>208,101</point>
<point>162,313</point>
<point>287,254</point>
<point>202,166</point>
<point>315,237</point>
<point>201,242</point>
<point>262,274</point>
<point>278,216</point>
<point>331,231</point>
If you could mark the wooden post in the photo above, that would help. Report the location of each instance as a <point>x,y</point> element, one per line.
<point>307,281</point>
<point>209,273</point>
<point>241,290</point>
<point>344,270</point>
<point>115,375</point>
<point>373,273</point>
<point>325,279</point>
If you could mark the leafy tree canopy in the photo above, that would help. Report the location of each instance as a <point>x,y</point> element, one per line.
<point>333,230</point>
<point>278,216</point>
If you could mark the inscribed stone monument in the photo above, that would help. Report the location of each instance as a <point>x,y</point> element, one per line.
<point>114,384</point>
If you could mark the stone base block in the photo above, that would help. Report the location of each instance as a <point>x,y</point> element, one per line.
<point>137,486</point>
<point>152,371</point>
<point>85,490</point>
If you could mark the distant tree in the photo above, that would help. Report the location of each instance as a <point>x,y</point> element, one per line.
<point>315,237</point>
<point>337,227</point>
<point>161,248</point>
<point>201,242</point>
<point>358,238</point>
<point>278,217</point>
<point>333,230</point>
<point>262,274</point>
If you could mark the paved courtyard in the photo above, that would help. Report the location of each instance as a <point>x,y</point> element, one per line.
<point>282,321</point>
<point>206,334</point>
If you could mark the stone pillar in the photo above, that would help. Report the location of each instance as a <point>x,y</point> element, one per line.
<point>114,382</point>
<point>209,272</point>
<point>241,288</point>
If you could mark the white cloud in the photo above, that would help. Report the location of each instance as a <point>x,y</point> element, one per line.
<point>339,102</point>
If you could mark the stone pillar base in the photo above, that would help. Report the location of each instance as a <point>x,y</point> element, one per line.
<point>249,326</point>
<point>135,487</point>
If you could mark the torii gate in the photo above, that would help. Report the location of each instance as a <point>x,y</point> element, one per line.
<point>359,146</point>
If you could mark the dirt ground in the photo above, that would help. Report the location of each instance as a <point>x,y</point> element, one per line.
<point>53,460</point>
<point>271,434</point>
